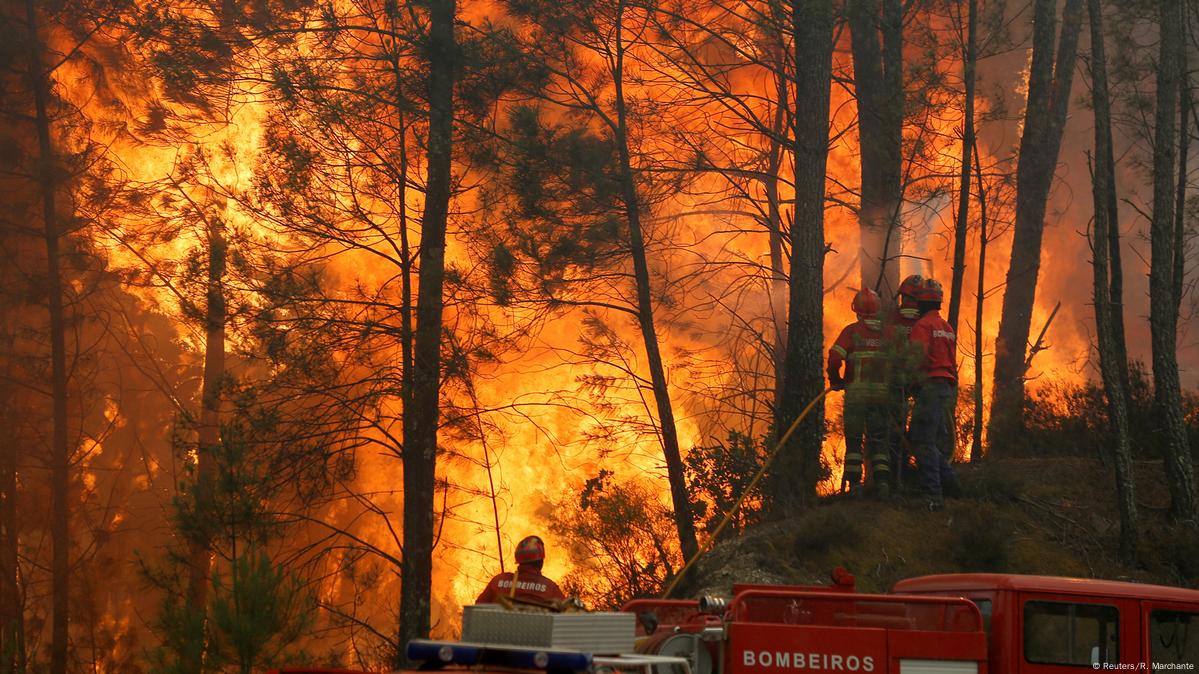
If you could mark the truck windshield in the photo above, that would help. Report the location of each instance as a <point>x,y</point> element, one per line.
<point>1174,637</point>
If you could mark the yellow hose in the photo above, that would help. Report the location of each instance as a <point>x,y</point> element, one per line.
<point>745,493</point>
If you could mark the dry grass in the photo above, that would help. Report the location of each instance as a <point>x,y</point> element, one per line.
<point>1053,516</point>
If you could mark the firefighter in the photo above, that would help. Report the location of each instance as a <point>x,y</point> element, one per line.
<point>905,363</point>
<point>530,584</point>
<point>865,383</point>
<point>936,392</point>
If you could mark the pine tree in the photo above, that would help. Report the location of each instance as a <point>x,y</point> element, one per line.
<point>572,46</point>
<point>1112,363</point>
<point>803,375</point>
<point>1044,121</point>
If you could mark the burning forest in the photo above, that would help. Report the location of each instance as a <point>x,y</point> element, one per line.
<point>312,310</point>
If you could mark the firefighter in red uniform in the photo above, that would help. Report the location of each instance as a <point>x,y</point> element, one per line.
<point>904,366</point>
<point>530,584</point>
<point>931,415</point>
<point>866,387</point>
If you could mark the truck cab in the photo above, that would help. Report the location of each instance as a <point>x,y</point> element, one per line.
<point>1052,625</point>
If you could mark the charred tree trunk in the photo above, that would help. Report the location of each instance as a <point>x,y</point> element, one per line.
<point>878,82</point>
<point>15,398</point>
<point>1163,300</point>
<point>798,469</point>
<point>976,444</point>
<point>1116,277</point>
<point>12,648</point>
<point>645,312</point>
<point>1184,142</point>
<point>963,219</point>
<point>12,406</point>
<point>778,273</point>
<point>209,432</point>
<point>406,265</point>
<point>1044,120</point>
<point>1110,365</point>
<point>60,457</point>
<point>421,418</point>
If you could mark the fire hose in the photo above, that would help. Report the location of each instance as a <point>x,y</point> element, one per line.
<point>744,493</point>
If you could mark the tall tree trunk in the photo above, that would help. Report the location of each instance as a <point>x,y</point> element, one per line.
<point>798,469</point>
<point>14,397</point>
<point>12,406</point>
<point>209,431</point>
<point>1044,120</point>
<point>12,647</point>
<point>778,273</point>
<point>60,458</point>
<point>878,82</point>
<point>963,219</point>
<point>1163,302</point>
<point>976,444</point>
<point>406,270</point>
<point>1116,266</point>
<point>645,312</point>
<point>421,418</point>
<point>1110,365</point>
<point>1184,142</point>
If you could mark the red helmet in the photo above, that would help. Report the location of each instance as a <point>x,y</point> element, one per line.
<point>911,285</point>
<point>930,291</point>
<point>530,549</point>
<point>866,303</point>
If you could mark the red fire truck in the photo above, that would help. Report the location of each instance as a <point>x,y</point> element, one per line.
<point>1044,625</point>
<point>945,624</point>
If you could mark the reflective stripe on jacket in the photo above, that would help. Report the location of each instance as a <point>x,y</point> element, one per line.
<point>868,371</point>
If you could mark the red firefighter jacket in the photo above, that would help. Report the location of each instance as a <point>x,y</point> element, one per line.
<point>939,342</point>
<point>530,584</point>
<point>860,343</point>
<point>900,322</point>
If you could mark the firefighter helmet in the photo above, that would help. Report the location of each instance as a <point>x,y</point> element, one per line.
<point>931,292</point>
<point>911,285</point>
<point>530,550</point>
<point>866,303</point>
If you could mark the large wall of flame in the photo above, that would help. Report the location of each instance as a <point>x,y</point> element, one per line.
<point>538,456</point>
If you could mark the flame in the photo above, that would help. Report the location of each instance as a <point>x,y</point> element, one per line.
<point>536,449</point>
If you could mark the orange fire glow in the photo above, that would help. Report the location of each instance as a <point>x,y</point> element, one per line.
<point>538,452</point>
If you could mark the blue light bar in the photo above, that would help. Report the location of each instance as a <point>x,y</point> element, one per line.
<point>467,654</point>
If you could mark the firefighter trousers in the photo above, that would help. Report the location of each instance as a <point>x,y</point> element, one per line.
<point>931,439</point>
<point>865,425</point>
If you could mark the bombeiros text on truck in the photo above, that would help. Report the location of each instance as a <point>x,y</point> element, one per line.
<point>943,624</point>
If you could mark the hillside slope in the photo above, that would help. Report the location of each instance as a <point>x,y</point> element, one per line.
<point>1052,516</point>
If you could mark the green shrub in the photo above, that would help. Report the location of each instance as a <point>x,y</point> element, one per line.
<point>718,475</point>
<point>1069,418</point>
